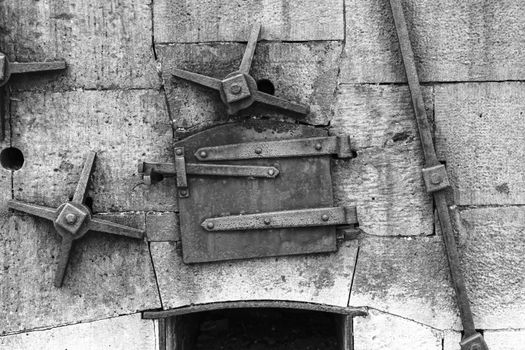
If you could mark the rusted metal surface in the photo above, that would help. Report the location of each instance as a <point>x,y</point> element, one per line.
<point>283,219</point>
<point>238,90</point>
<point>303,183</point>
<point>297,305</point>
<point>472,340</point>
<point>72,220</point>
<point>436,178</point>
<point>180,170</point>
<point>304,147</point>
<point>150,171</point>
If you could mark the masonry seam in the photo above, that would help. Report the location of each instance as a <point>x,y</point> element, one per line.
<point>48,328</point>
<point>155,275</point>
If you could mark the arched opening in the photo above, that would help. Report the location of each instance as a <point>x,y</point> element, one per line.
<point>255,326</point>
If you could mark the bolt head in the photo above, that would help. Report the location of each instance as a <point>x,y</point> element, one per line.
<point>210,225</point>
<point>71,218</point>
<point>178,152</point>
<point>318,146</point>
<point>203,154</point>
<point>436,179</point>
<point>183,192</point>
<point>258,150</point>
<point>235,89</point>
<point>267,221</point>
<point>271,172</point>
<point>324,217</point>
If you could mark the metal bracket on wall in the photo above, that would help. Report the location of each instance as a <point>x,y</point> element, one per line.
<point>436,180</point>
<point>8,68</point>
<point>72,220</point>
<point>238,90</point>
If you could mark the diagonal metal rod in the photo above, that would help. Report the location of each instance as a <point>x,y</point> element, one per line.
<point>278,102</point>
<point>33,209</point>
<point>250,49</point>
<point>63,258</point>
<point>198,79</point>
<point>439,196</point>
<point>113,228</point>
<point>81,190</point>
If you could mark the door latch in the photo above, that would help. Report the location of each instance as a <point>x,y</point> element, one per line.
<point>238,90</point>
<point>72,220</point>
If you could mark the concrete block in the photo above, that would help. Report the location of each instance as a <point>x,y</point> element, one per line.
<point>162,226</point>
<point>480,131</point>
<point>408,277</point>
<point>56,130</point>
<point>212,20</point>
<point>491,244</point>
<point>384,181</point>
<point>381,331</point>
<point>505,339</point>
<point>119,333</point>
<point>105,43</point>
<point>451,339</point>
<point>107,275</point>
<point>452,41</point>
<point>498,339</point>
<point>320,278</point>
<point>300,72</point>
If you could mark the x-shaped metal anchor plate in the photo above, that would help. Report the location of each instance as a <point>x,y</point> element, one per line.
<point>72,220</point>
<point>238,90</point>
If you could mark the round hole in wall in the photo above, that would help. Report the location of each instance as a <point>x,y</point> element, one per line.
<point>265,85</point>
<point>11,158</point>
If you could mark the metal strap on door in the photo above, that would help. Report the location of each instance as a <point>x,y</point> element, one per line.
<point>436,180</point>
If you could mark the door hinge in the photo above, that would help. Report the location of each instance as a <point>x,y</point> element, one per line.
<point>283,219</point>
<point>305,147</point>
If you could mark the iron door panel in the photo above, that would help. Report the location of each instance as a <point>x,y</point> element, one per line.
<point>302,183</point>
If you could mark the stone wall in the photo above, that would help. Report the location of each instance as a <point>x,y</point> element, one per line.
<point>339,56</point>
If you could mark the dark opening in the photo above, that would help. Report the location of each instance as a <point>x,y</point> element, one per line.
<point>258,329</point>
<point>11,158</point>
<point>265,85</point>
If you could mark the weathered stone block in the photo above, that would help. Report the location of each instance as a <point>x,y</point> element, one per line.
<point>505,339</point>
<point>55,131</point>
<point>381,331</point>
<point>211,20</point>
<point>491,244</point>
<point>321,278</point>
<point>452,41</point>
<point>480,131</point>
<point>106,276</point>
<point>300,72</point>
<point>105,43</point>
<point>407,277</point>
<point>119,333</point>
<point>384,181</point>
<point>162,226</point>
<point>499,339</point>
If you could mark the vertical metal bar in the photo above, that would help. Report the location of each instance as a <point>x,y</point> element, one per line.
<point>413,83</point>
<point>162,333</point>
<point>2,114</point>
<point>250,49</point>
<point>87,169</point>
<point>431,160</point>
